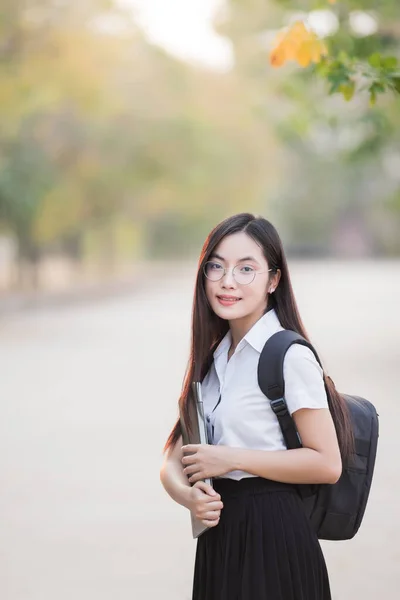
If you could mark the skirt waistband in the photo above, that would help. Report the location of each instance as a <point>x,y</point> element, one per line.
<point>252,485</point>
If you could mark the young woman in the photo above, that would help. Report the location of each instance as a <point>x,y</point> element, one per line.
<point>259,545</point>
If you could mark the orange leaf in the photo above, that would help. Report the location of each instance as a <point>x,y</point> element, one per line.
<point>278,56</point>
<point>298,30</point>
<point>311,51</point>
<point>303,55</point>
<point>299,44</point>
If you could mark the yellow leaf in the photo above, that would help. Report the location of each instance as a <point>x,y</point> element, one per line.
<point>299,44</point>
<point>311,51</point>
<point>303,55</point>
<point>347,90</point>
<point>291,46</point>
<point>298,30</point>
<point>278,56</point>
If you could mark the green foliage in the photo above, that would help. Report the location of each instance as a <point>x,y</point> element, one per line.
<point>99,127</point>
<point>99,130</point>
<point>348,76</point>
<point>338,121</point>
<point>356,62</point>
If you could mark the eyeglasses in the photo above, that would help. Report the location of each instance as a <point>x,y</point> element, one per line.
<point>243,275</point>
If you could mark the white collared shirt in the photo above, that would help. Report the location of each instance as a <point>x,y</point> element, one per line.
<point>243,417</point>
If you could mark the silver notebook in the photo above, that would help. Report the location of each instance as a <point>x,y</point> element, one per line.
<point>199,436</point>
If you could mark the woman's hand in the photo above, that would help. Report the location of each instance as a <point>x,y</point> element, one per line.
<point>206,460</point>
<point>205,503</point>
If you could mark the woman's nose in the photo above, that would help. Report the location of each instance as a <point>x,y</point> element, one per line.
<point>228,278</point>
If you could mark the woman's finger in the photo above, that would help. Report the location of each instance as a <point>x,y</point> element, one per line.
<point>209,490</point>
<point>210,515</point>
<point>210,523</point>
<point>214,505</point>
<point>190,469</point>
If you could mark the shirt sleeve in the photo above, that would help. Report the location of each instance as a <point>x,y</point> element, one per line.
<point>304,384</point>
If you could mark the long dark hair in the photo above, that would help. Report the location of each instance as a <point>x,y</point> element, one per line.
<point>208,329</point>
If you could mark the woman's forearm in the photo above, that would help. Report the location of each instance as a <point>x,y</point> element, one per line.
<point>175,482</point>
<point>302,465</point>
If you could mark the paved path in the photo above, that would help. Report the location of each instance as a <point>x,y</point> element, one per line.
<point>88,395</point>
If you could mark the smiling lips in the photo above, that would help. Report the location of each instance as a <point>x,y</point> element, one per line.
<point>228,300</point>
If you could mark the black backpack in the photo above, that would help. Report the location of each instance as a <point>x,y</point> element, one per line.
<point>336,510</point>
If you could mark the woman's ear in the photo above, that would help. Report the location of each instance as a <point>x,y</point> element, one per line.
<point>273,284</point>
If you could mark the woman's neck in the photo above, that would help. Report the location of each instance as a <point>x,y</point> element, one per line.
<point>239,328</point>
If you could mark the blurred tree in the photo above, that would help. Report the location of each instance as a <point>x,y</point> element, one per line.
<point>102,134</point>
<point>52,77</point>
<point>82,87</point>
<point>349,66</point>
<point>340,155</point>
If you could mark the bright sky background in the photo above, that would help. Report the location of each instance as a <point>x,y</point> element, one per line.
<point>184,28</point>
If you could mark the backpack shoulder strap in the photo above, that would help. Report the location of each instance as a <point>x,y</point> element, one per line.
<point>271,381</point>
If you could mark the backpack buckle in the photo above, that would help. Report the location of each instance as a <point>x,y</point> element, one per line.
<point>279,407</point>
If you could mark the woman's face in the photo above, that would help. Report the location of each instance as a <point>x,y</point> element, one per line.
<point>229,298</point>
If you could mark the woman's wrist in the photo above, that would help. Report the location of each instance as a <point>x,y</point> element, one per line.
<point>234,458</point>
<point>185,494</point>
<point>176,483</point>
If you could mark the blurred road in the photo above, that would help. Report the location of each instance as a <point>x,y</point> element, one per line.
<point>88,396</point>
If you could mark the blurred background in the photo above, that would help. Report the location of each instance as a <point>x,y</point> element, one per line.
<point>128,129</point>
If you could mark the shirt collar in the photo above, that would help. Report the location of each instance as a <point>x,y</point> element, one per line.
<point>224,345</point>
<point>261,331</point>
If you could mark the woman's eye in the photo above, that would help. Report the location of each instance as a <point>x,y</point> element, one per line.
<point>247,269</point>
<point>216,266</point>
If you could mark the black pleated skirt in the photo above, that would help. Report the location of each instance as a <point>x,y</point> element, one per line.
<point>262,549</point>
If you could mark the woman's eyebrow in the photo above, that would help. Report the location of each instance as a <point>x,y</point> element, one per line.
<point>215,255</point>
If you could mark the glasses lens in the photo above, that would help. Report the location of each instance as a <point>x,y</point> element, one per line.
<point>244,275</point>
<point>213,271</point>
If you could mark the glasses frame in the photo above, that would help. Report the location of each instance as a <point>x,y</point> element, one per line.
<point>225,271</point>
